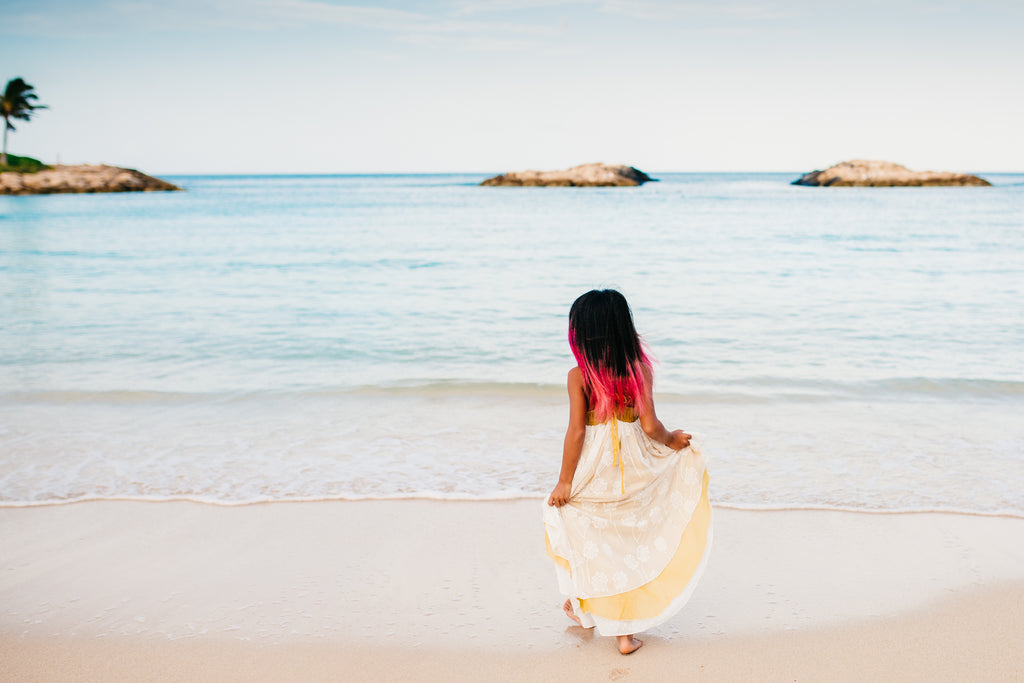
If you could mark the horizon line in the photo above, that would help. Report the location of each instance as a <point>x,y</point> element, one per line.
<point>493,173</point>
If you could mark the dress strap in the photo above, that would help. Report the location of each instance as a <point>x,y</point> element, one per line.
<point>617,455</point>
<point>625,414</point>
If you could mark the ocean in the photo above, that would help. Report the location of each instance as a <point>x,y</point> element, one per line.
<point>278,338</point>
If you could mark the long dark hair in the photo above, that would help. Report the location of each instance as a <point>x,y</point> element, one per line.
<point>609,352</point>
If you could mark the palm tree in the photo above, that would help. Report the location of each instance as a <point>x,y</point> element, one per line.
<point>16,103</point>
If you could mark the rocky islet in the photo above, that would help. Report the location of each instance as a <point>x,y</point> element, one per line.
<point>585,175</point>
<point>81,179</point>
<point>868,173</point>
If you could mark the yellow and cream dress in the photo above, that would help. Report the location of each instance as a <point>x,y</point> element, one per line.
<point>631,544</point>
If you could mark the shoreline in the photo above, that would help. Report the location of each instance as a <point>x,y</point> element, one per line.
<point>400,589</point>
<point>945,456</point>
<point>463,498</point>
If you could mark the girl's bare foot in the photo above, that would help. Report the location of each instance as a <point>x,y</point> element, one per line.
<point>567,608</point>
<point>628,644</point>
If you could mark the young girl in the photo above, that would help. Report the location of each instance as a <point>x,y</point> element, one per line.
<point>629,523</point>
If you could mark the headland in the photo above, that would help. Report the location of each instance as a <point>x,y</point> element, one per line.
<point>84,178</point>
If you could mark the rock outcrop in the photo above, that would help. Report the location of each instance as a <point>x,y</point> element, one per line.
<point>864,173</point>
<point>587,175</point>
<point>85,178</point>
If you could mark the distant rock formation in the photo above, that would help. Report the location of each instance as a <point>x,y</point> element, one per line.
<point>85,178</point>
<point>864,173</point>
<point>587,175</point>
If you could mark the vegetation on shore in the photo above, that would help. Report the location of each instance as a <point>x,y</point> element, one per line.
<point>22,165</point>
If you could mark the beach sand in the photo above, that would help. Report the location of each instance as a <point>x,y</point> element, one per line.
<point>430,590</point>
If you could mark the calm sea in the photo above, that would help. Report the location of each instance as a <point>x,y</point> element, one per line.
<point>346,337</point>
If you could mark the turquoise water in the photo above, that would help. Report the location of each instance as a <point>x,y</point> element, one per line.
<point>405,336</point>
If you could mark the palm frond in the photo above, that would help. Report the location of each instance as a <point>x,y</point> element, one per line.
<point>17,101</point>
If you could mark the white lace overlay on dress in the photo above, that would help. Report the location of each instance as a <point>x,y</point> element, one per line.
<point>614,541</point>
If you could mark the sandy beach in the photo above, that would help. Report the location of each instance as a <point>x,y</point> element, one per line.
<point>426,590</point>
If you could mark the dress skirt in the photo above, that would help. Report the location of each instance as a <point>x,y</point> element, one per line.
<point>632,542</point>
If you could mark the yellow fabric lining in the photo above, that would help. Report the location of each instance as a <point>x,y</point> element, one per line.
<point>651,599</point>
<point>626,414</point>
<point>560,561</point>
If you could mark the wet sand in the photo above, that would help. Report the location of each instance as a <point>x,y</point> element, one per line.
<point>430,590</point>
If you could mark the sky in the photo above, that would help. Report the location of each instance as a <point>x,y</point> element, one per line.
<point>324,86</point>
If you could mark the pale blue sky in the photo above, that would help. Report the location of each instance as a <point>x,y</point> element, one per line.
<point>318,86</point>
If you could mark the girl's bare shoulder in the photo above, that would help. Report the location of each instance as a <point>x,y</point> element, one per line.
<point>575,377</point>
<point>648,372</point>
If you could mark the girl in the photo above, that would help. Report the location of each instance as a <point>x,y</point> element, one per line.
<point>629,523</point>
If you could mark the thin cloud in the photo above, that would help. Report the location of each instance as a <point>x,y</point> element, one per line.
<point>63,19</point>
<point>475,7</point>
<point>651,10</point>
<point>660,10</point>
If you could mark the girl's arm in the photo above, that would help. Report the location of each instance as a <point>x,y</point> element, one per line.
<point>653,427</point>
<point>573,446</point>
